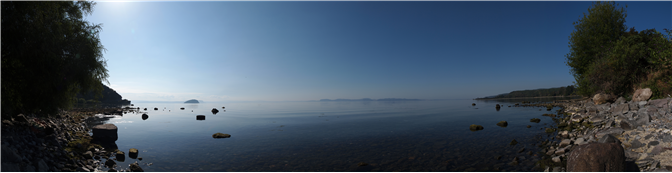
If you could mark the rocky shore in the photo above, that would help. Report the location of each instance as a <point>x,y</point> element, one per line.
<point>607,134</point>
<point>60,143</point>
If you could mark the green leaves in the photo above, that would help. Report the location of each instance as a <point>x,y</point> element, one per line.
<point>49,53</point>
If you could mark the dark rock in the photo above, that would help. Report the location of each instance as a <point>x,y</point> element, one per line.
<point>473,104</point>
<point>597,157</point>
<point>214,111</point>
<point>475,127</point>
<point>666,137</point>
<point>513,142</point>
<point>641,95</point>
<point>628,124</point>
<point>528,126</point>
<point>591,109</point>
<point>642,120</point>
<point>220,135</point>
<point>81,169</point>
<point>622,108</point>
<point>535,120</point>
<point>498,157</point>
<point>502,124</point>
<point>110,163</point>
<point>88,155</point>
<point>648,136</point>
<point>42,166</point>
<point>105,133</point>
<point>631,155</point>
<point>521,150</point>
<point>182,108</point>
<point>10,167</point>
<point>653,143</point>
<point>10,155</point>
<point>156,109</point>
<point>145,108</point>
<point>133,153</point>
<point>549,130</point>
<point>636,144</point>
<point>613,131</point>
<point>140,158</point>
<point>135,167</point>
<point>200,117</point>
<point>620,100</point>
<point>497,106</point>
<point>609,139</point>
<point>120,156</point>
<point>145,116</point>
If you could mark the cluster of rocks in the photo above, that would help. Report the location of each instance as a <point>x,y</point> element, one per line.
<point>59,143</point>
<point>603,133</point>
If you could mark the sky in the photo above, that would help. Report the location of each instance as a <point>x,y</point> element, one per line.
<point>298,51</point>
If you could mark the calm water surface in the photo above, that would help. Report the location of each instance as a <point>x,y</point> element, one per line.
<point>332,136</point>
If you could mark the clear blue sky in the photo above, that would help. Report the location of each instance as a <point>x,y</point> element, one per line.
<point>294,51</point>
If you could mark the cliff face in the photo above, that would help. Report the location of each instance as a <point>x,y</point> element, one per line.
<point>109,96</point>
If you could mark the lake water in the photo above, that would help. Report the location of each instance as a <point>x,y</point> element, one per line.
<point>332,136</point>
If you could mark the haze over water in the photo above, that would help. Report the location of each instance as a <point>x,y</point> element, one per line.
<point>332,136</point>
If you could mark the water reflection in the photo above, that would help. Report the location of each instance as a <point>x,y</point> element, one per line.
<point>192,106</point>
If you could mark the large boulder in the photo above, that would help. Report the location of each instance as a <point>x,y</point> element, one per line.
<point>660,103</point>
<point>622,108</point>
<point>642,95</point>
<point>599,99</point>
<point>221,135</point>
<point>133,153</point>
<point>596,157</point>
<point>502,124</point>
<point>105,133</point>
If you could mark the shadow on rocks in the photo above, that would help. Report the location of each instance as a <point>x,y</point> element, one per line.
<point>631,166</point>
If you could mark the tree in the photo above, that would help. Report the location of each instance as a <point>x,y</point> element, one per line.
<point>593,34</point>
<point>49,54</point>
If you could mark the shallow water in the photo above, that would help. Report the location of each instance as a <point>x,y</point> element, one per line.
<point>332,136</point>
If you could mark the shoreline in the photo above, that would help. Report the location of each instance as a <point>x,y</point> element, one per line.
<point>59,143</point>
<point>642,129</point>
<point>515,98</point>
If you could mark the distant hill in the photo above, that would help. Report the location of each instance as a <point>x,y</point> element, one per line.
<point>192,101</point>
<point>548,92</point>
<point>368,99</point>
<point>110,96</point>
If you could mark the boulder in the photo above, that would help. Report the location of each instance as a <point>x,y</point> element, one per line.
<point>133,153</point>
<point>475,127</point>
<point>135,167</point>
<point>156,109</point>
<point>609,139</point>
<point>597,157</point>
<point>502,124</point>
<point>620,100</point>
<point>591,109</point>
<point>220,135</point>
<point>610,131</point>
<point>659,103</point>
<point>105,133</point>
<point>601,98</point>
<point>642,119</point>
<point>200,117</point>
<point>565,142</point>
<point>535,120</point>
<point>120,156</point>
<point>513,142</point>
<point>145,116</point>
<point>182,108</point>
<point>145,108</point>
<point>497,106</point>
<point>88,155</point>
<point>473,104</point>
<point>214,110</point>
<point>597,118</point>
<point>110,163</point>
<point>10,155</point>
<point>622,108</point>
<point>642,95</point>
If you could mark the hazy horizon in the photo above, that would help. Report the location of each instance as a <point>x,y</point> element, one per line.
<point>300,51</point>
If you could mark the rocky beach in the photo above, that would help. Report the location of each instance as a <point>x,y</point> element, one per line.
<point>604,133</point>
<point>60,143</point>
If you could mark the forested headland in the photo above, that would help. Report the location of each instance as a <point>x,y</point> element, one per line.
<point>567,91</point>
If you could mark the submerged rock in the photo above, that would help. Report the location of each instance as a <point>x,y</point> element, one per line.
<point>221,135</point>
<point>502,124</point>
<point>133,153</point>
<point>135,167</point>
<point>535,120</point>
<point>513,142</point>
<point>475,127</point>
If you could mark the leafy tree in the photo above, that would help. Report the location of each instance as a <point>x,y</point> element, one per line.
<point>49,53</point>
<point>593,34</point>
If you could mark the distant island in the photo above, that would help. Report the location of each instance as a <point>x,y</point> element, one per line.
<point>192,101</point>
<point>368,99</point>
<point>567,91</point>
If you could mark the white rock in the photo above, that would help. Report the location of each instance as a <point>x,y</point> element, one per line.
<point>565,142</point>
<point>556,159</point>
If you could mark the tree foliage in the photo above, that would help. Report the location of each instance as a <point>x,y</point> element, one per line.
<point>593,34</point>
<point>560,91</point>
<point>49,54</point>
